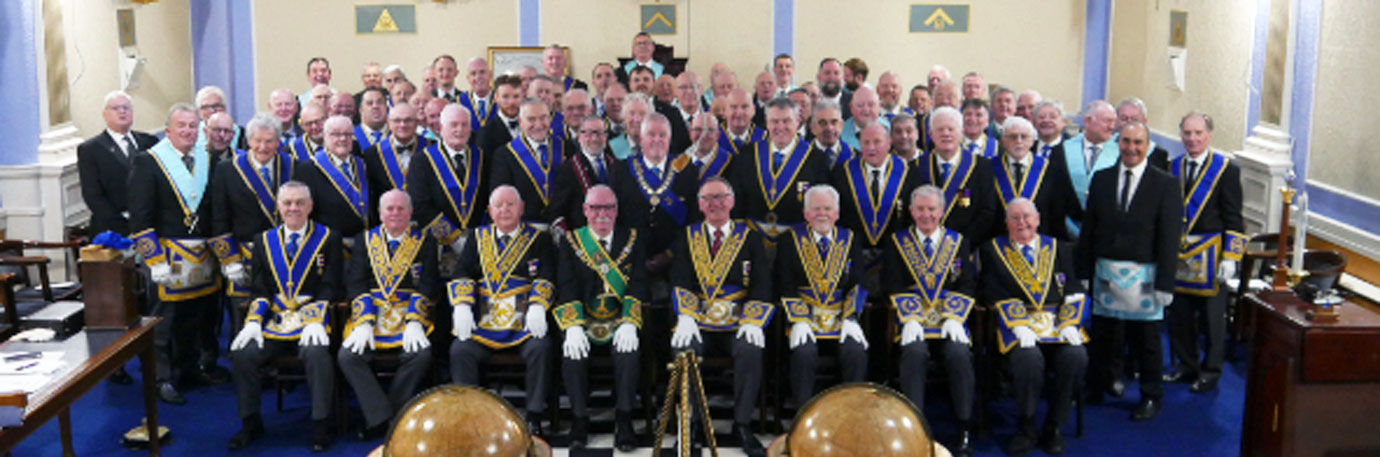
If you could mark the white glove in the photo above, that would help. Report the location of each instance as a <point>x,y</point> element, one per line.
<point>752,334</point>
<point>1071,336</point>
<point>625,338</point>
<point>1227,270</point>
<point>1025,335</point>
<point>313,334</point>
<point>851,329</point>
<point>576,343</point>
<point>800,332</point>
<point>911,332</point>
<point>1086,285</point>
<point>536,321</point>
<point>686,330</point>
<point>558,230</point>
<point>235,272</point>
<point>463,318</point>
<point>252,331</point>
<point>414,337</point>
<point>362,336</point>
<point>1164,298</point>
<point>161,274</point>
<point>953,330</point>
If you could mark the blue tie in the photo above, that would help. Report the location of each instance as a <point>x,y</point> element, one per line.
<point>929,247</point>
<point>268,178</point>
<point>483,109</point>
<point>541,154</point>
<point>292,245</point>
<point>777,158</point>
<point>349,172</point>
<point>599,168</point>
<point>1044,151</point>
<point>374,137</point>
<point>656,171</point>
<point>1029,254</point>
<point>393,246</point>
<point>971,147</point>
<point>738,145</point>
<point>944,172</point>
<point>823,244</point>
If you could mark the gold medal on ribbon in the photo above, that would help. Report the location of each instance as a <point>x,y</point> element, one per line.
<point>655,200</point>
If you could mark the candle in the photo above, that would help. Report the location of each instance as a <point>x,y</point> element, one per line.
<point>1301,232</point>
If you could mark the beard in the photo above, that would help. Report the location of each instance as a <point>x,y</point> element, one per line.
<point>830,89</point>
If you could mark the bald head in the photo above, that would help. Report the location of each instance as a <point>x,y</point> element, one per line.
<point>740,111</point>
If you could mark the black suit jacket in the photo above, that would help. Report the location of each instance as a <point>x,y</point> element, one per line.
<point>851,218</point>
<point>1052,199</point>
<point>1148,233</point>
<point>1159,158</point>
<point>757,282</point>
<point>977,220</point>
<point>154,204</point>
<point>896,276</point>
<point>790,266</point>
<point>508,169</point>
<point>429,194</point>
<point>104,173</point>
<point>573,178</point>
<point>494,136</point>
<point>751,202</point>
<point>542,252</point>
<point>235,206</point>
<point>361,279</point>
<point>653,221</point>
<point>577,281</point>
<point>680,129</point>
<point>1222,211</point>
<point>329,206</point>
<point>999,284</point>
<point>323,277</point>
<point>379,181</point>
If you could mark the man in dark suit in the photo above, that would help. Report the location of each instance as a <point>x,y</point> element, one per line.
<point>290,306</point>
<point>1048,118</point>
<point>553,60</point>
<point>502,126</point>
<point>210,100</point>
<point>773,173</point>
<point>739,133</point>
<point>373,120</point>
<point>575,106</point>
<point>1129,249</point>
<point>339,183</point>
<point>448,183</point>
<point>593,165</point>
<point>528,163</point>
<point>1029,279</point>
<point>706,153</point>
<point>170,217</point>
<point>390,308</point>
<point>103,164</point>
<point>1020,173</point>
<point>830,80</point>
<point>490,315</point>
<point>603,286</point>
<point>642,49</point>
<point>445,69</point>
<point>763,90</point>
<point>727,319</point>
<point>966,179</point>
<point>875,186</point>
<point>1132,109</point>
<point>818,281</point>
<point>654,196</point>
<point>389,161</point>
<point>684,111</point>
<point>905,135</point>
<point>1212,209</point>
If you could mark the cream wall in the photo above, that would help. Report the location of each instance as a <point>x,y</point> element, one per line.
<point>1219,40</point>
<point>1341,153</point>
<point>163,36</point>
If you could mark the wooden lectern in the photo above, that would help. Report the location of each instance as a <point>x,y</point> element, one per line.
<point>108,293</point>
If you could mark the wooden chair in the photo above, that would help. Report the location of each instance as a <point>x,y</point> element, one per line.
<point>1257,262</point>
<point>32,296</point>
<point>10,324</point>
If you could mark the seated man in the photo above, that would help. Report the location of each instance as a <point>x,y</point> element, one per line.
<point>509,264</point>
<point>818,276</point>
<point>296,273</point>
<point>716,289</point>
<point>392,274</point>
<point>603,285</point>
<point>1029,279</point>
<point>930,271</point>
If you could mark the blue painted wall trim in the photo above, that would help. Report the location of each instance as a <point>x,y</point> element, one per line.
<point>1257,81</point>
<point>19,90</point>
<point>1344,209</point>
<point>529,22</point>
<point>783,27</point>
<point>1097,42</point>
<point>1307,29</point>
<point>223,52</point>
<point>242,76</point>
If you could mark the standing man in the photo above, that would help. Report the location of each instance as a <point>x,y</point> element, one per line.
<point>978,140</point>
<point>103,164</point>
<point>1003,105</point>
<point>528,163</point>
<point>866,112</point>
<point>830,80</point>
<point>210,100</point>
<point>709,156</point>
<point>1029,279</point>
<point>783,68</point>
<point>655,195</point>
<point>501,297</point>
<point>826,124</point>
<point>449,185</point>
<point>965,179</point>
<point>632,111</point>
<point>932,277</point>
<point>218,131</point>
<point>391,277</point>
<point>603,287</point>
<point>503,125</point>
<point>389,160</point>
<point>313,122</point>
<point>318,73</point>
<point>339,183</point>
<point>818,278</point>
<point>284,107</point>
<point>602,78</point>
<point>479,99</point>
<point>297,275</point>
<point>557,67</point>
<point>1026,102</point>
<point>443,66</point>
<point>1019,173</point>
<point>1129,250</point>
<point>1213,238</point>
<point>889,96</point>
<point>687,106</point>
<point>763,90</point>
<point>875,185</point>
<point>594,165</point>
<point>775,172</point>
<point>373,119</point>
<point>642,49</point>
<point>170,218</point>
<point>1084,155</point>
<point>1048,117</point>
<point>905,136</point>
<point>739,131</point>
<point>721,287</point>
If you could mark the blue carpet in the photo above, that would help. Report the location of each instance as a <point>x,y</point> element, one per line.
<point>1190,425</point>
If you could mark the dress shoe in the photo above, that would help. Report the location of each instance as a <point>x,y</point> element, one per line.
<point>321,435</point>
<point>750,445</point>
<point>624,437</point>
<point>213,375</point>
<point>169,395</point>
<point>373,432</point>
<point>1146,410</point>
<point>963,447</point>
<point>1203,385</point>
<point>1025,438</point>
<point>1117,388</point>
<point>121,377</point>
<point>252,429</point>
<point>1052,442</point>
<point>579,433</point>
<point>534,424</point>
<point>1179,374</point>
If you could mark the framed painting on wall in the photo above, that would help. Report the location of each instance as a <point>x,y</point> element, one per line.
<point>510,59</point>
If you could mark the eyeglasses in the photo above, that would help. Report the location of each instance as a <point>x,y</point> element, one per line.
<point>222,130</point>
<point>715,197</point>
<point>593,132</point>
<point>344,134</point>
<point>602,208</point>
<point>120,108</point>
<point>213,106</point>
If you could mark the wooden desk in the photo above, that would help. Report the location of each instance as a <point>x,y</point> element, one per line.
<point>91,355</point>
<point>1313,388</point>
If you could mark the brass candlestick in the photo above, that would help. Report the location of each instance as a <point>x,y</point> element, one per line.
<point>1282,282</point>
<point>684,369</point>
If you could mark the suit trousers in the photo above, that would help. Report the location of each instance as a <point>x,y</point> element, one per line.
<point>1110,335</point>
<point>466,357</point>
<point>1187,316</point>
<point>248,375</point>
<point>1069,364</point>
<point>747,369</point>
<point>576,376</point>
<point>805,365</point>
<point>378,407</point>
<point>175,339</point>
<point>958,364</point>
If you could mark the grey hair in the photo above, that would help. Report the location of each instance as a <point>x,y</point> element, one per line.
<point>294,184</point>
<point>635,97</point>
<point>1033,93</point>
<point>115,94</point>
<point>718,179</point>
<point>1018,122</point>
<point>943,69</point>
<point>1021,201</point>
<point>927,190</point>
<point>1136,102</point>
<point>532,101</point>
<point>406,198</point>
<point>1096,105</point>
<point>1134,124</point>
<point>786,104</point>
<point>583,92</point>
<point>944,112</point>
<point>453,110</point>
<point>654,118</point>
<point>1050,103</point>
<point>264,121</point>
<point>337,120</point>
<point>824,104</point>
<point>179,108</point>
<point>504,188</point>
<point>589,192</point>
<point>209,91</point>
<point>903,117</point>
<point>1207,120</point>
<point>823,189</point>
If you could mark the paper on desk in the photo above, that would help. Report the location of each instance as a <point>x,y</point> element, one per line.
<point>1255,284</point>
<point>49,363</point>
<point>27,383</point>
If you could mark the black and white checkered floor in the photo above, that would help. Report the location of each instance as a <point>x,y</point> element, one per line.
<point>601,441</point>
